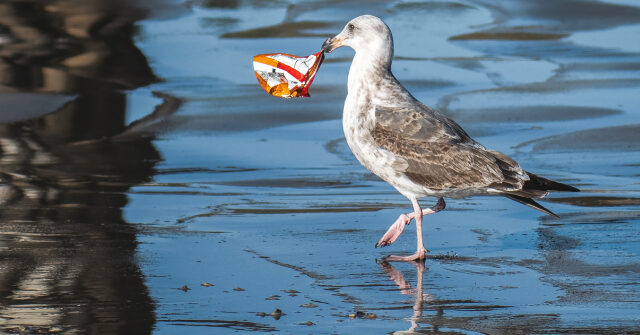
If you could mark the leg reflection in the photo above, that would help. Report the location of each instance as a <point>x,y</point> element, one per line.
<point>406,289</point>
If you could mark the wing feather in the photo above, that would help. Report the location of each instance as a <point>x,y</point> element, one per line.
<point>439,154</point>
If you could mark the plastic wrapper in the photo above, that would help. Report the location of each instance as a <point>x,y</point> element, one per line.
<point>286,76</point>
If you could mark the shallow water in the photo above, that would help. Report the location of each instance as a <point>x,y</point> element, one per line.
<point>141,160</point>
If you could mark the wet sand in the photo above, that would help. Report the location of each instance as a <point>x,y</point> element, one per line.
<point>149,185</point>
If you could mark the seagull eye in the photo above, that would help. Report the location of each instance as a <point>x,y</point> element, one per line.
<point>351,27</point>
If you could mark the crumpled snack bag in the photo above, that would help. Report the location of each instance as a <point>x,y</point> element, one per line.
<point>286,76</point>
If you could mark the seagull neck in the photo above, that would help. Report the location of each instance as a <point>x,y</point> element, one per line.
<point>368,65</point>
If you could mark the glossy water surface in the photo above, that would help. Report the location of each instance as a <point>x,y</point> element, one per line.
<point>149,185</point>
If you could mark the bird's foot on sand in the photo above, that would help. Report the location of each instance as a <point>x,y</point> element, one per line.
<point>395,230</point>
<point>418,256</point>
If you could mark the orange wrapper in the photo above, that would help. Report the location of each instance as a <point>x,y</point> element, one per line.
<point>286,76</point>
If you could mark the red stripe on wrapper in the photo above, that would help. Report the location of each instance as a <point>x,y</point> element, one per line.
<point>270,71</point>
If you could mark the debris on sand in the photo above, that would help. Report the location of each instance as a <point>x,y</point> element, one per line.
<point>292,293</point>
<point>363,315</point>
<point>276,314</point>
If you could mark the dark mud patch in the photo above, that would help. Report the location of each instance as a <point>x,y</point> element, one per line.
<point>427,84</point>
<point>531,113</point>
<point>292,183</point>
<point>597,201</point>
<point>265,118</point>
<point>432,6</point>
<point>449,257</point>
<point>592,67</point>
<point>240,211</point>
<point>566,15</point>
<point>617,138</point>
<point>578,14</point>
<point>550,240</point>
<point>230,324</point>
<point>207,194</point>
<point>218,22</point>
<point>508,36</point>
<point>339,148</point>
<point>229,209</point>
<point>448,305</point>
<point>483,235</point>
<point>547,87</point>
<point>598,218</point>
<point>178,230</point>
<point>561,262</point>
<point>286,29</point>
<point>335,145</point>
<point>345,231</point>
<point>203,170</point>
<point>308,273</point>
<point>580,293</point>
<point>566,85</point>
<point>473,64</point>
<point>319,208</point>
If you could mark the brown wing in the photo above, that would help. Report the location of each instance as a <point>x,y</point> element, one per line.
<point>439,154</point>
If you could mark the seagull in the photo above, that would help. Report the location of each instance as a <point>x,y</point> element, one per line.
<point>411,146</point>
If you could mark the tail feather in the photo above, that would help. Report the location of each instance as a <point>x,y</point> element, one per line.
<point>531,203</point>
<point>538,187</point>
<point>538,183</point>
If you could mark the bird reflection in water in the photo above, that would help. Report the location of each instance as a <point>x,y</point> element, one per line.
<point>67,160</point>
<point>406,289</point>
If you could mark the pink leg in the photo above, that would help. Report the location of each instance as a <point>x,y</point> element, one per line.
<point>395,230</point>
<point>397,227</point>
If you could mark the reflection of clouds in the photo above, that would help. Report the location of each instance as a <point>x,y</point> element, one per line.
<point>69,47</point>
<point>36,284</point>
<point>67,256</point>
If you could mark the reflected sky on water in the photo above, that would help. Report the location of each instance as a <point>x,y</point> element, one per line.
<point>140,159</point>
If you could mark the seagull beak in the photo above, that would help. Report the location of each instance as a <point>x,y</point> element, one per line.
<point>332,43</point>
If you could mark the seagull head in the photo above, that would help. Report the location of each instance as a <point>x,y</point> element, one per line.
<point>365,33</point>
